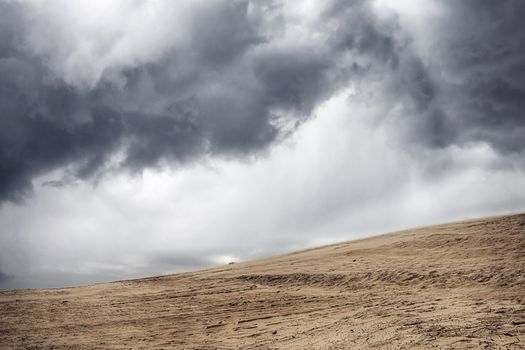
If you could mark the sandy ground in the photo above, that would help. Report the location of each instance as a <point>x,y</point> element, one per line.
<point>453,286</point>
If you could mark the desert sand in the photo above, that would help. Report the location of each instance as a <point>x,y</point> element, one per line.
<point>451,286</point>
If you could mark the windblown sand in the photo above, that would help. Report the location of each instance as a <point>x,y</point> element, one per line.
<point>453,286</point>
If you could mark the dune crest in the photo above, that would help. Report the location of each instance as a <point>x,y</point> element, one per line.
<point>450,286</point>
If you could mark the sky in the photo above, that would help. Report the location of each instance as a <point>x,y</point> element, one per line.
<point>146,137</point>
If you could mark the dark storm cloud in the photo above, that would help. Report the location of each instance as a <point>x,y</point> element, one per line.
<point>474,88</point>
<point>245,81</point>
<point>229,93</point>
<point>4,277</point>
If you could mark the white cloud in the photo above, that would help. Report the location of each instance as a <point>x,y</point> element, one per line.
<point>81,40</point>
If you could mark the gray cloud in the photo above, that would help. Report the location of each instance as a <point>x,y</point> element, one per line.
<point>473,88</point>
<point>237,88</point>
<point>243,79</point>
<point>4,277</point>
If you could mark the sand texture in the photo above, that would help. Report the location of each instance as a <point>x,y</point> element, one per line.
<point>452,286</point>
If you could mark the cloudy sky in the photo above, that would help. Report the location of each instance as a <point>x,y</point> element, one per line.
<point>142,137</point>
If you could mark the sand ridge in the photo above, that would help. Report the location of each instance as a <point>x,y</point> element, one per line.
<point>451,286</point>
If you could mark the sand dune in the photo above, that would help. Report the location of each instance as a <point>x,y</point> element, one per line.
<point>452,286</point>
